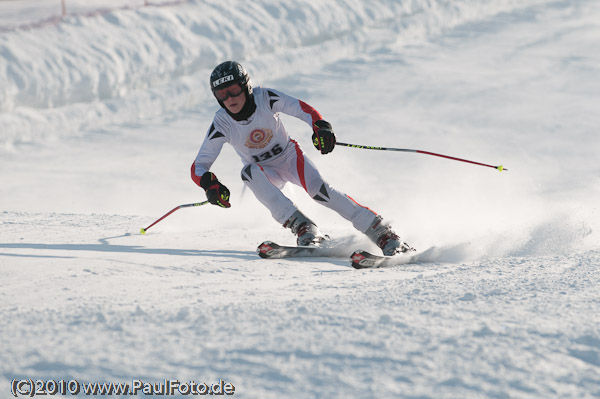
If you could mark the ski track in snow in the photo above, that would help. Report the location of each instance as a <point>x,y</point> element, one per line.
<point>99,126</point>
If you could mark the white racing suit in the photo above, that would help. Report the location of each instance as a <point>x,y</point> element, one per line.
<point>271,158</point>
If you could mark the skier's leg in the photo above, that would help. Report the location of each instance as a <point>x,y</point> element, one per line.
<point>266,184</point>
<point>363,218</point>
<point>360,216</point>
<point>268,193</point>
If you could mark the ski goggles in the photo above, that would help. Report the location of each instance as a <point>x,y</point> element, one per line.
<point>230,91</point>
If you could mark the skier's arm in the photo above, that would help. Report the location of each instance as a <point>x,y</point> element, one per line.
<point>323,137</point>
<point>281,102</point>
<point>216,192</point>
<point>208,153</point>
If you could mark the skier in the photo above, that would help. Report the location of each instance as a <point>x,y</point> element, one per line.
<point>249,121</point>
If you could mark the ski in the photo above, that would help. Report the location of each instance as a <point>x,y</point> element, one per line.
<point>365,260</point>
<point>359,259</point>
<point>271,250</point>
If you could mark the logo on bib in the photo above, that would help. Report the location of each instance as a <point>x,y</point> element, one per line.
<point>259,138</point>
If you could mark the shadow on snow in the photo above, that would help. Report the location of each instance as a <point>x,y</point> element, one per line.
<point>104,247</point>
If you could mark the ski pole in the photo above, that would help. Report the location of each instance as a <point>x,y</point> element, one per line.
<point>366,147</point>
<point>143,230</point>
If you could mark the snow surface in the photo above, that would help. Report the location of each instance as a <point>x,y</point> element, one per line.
<point>101,116</point>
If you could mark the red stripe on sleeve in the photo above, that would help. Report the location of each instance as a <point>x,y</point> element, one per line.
<point>314,114</point>
<point>195,178</point>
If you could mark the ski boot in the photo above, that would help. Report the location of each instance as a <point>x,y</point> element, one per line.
<point>308,233</point>
<point>385,238</point>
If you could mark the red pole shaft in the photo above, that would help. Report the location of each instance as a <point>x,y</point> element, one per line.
<point>164,216</point>
<point>143,230</point>
<point>365,147</point>
<point>456,159</point>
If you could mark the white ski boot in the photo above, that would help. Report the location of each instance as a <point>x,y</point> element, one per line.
<point>385,238</point>
<point>308,233</point>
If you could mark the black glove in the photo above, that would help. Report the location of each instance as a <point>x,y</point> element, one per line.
<point>216,193</point>
<point>323,137</point>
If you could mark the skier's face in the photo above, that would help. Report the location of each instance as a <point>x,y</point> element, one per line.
<point>235,103</point>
